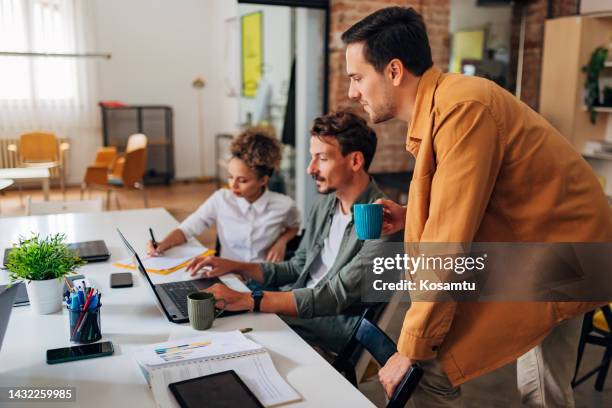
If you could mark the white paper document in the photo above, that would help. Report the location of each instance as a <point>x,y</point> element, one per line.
<point>206,346</point>
<point>179,360</point>
<point>170,259</point>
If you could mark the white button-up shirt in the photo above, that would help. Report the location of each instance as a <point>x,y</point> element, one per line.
<point>246,231</point>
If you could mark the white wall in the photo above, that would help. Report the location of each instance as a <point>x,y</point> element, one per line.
<point>158,48</point>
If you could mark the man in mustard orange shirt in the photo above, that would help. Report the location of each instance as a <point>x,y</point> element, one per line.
<point>488,169</point>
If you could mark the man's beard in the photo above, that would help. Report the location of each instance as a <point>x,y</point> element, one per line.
<point>381,117</point>
<point>328,190</point>
<point>383,113</point>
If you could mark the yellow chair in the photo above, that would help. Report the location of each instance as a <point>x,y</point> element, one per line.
<point>596,331</point>
<point>113,172</point>
<point>42,149</point>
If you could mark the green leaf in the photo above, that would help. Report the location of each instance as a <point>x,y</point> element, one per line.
<point>591,84</point>
<point>37,258</point>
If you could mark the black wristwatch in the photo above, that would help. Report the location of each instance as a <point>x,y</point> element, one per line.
<point>257,295</point>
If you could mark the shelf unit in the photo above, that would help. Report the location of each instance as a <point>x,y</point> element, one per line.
<point>597,156</point>
<point>156,122</point>
<point>568,45</point>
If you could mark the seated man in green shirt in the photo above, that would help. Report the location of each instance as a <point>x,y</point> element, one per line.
<point>318,291</point>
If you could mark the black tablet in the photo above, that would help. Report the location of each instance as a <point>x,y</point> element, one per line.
<point>220,390</point>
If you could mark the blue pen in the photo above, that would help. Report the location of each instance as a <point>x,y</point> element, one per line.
<point>93,303</point>
<point>74,309</point>
<point>74,301</point>
<point>81,298</point>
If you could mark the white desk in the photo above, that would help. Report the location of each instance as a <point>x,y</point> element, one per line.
<point>19,174</point>
<point>130,319</point>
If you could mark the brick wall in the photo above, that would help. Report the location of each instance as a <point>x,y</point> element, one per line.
<point>391,154</point>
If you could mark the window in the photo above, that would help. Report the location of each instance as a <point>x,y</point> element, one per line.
<point>44,26</point>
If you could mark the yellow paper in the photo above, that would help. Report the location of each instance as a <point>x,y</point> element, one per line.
<point>168,271</point>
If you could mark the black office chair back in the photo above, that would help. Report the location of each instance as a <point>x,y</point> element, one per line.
<point>378,344</point>
<point>381,347</point>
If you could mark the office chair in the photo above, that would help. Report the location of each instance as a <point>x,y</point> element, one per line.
<point>42,149</point>
<point>113,172</point>
<point>381,347</point>
<point>347,359</point>
<point>596,329</point>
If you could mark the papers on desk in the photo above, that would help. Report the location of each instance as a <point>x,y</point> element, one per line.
<point>173,259</point>
<point>179,360</point>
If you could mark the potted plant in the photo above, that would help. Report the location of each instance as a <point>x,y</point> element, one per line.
<point>591,84</point>
<point>43,263</point>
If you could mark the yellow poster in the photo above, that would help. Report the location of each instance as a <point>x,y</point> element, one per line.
<point>468,44</point>
<point>252,53</point>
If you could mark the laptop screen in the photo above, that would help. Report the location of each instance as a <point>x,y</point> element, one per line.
<point>7,297</point>
<point>143,271</point>
<point>137,260</point>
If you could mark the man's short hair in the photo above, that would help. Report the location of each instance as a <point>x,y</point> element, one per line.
<point>352,133</point>
<point>393,32</point>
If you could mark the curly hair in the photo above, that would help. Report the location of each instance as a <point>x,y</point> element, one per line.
<point>259,149</point>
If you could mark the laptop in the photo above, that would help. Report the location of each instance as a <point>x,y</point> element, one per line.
<point>172,297</point>
<point>7,296</point>
<point>90,251</point>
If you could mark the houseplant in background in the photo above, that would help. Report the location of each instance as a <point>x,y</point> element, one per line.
<point>43,263</point>
<point>591,83</point>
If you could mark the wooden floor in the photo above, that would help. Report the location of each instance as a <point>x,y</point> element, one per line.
<point>497,389</point>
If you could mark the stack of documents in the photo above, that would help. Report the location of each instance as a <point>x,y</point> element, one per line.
<point>172,260</point>
<point>166,363</point>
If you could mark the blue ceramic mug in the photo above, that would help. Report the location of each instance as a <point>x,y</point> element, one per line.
<point>368,220</point>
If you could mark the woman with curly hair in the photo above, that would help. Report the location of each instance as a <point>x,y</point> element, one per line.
<point>253,223</point>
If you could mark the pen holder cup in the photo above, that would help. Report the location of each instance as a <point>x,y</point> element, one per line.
<point>85,326</point>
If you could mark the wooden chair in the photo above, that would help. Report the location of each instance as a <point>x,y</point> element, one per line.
<point>114,172</point>
<point>381,347</point>
<point>596,331</point>
<point>63,207</point>
<point>41,149</point>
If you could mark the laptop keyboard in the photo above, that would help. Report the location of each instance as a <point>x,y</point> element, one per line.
<point>178,292</point>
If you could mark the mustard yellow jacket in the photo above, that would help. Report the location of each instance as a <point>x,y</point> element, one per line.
<point>490,169</point>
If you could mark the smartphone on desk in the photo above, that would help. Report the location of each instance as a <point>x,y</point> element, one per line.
<point>66,354</point>
<point>121,280</point>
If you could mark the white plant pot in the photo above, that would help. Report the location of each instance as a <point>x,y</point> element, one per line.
<point>45,296</point>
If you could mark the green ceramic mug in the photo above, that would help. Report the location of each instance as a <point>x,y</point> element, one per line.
<point>202,311</point>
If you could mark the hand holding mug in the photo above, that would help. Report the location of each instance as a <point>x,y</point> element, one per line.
<point>394,216</point>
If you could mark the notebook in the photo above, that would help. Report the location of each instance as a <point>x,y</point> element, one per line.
<point>179,360</point>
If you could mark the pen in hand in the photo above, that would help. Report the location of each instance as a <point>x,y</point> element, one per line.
<point>153,241</point>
